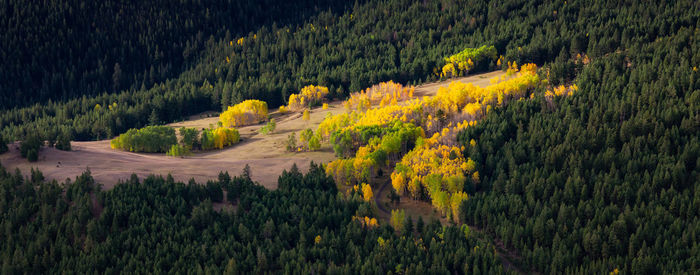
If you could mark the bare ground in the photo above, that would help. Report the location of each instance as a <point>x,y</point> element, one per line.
<point>265,154</point>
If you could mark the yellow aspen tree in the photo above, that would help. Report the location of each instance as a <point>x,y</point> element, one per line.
<point>367,192</point>
<point>306,116</point>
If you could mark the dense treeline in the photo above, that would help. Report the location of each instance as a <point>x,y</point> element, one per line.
<point>158,225</point>
<point>403,40</point>
<point>66,49</point>
<point>606,178</point>
<point>600,180</point>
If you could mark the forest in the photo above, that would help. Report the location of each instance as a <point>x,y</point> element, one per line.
<point>586,159</point>
<point>159,225</point>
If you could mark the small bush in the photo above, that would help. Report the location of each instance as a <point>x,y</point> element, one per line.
<point>292,142</point>
<point>269,127</point>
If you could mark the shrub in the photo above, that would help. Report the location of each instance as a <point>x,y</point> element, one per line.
<point>269,127</point>
<point>314,143</point>
<point>292,142</point>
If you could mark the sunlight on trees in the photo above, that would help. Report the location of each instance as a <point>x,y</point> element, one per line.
<point>245,113</point>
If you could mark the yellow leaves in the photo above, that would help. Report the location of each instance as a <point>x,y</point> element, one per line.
<point>398,216</point>
<point>436,166</point>
<point>398,181</point>
<point>224,137</point>
<point>462,62</point>
<point>308,95</point>
<point>367,193</point>
<point>385,93</point>
<point>325,106</point>
<point>448,70</point>
<point>366,222</point>
<point>283,109</point>
<point>240,41</point>
<point>245,113</point>
<point>561,90</point>
<point>381,241</point>
<point>317,240</point>
<point>512,68</point>
<point>456,200</point>
<point>306,116</point>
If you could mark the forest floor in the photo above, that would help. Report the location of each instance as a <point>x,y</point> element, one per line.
<point>265,154</point>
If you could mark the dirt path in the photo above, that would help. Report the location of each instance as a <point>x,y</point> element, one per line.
<point>265,154</point>
<point>377,201</point>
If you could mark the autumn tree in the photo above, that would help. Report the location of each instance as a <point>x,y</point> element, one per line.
<point>309,96</point>
<point>397,219</point>
<point>367,194</point>
<point>306,116</point>
<point>245,113</point>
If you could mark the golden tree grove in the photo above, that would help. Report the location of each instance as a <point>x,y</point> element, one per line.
<point>245,113</point>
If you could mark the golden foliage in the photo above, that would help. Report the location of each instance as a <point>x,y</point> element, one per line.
<point>306,116</point>
<point>245,113</point>
<point>436,166</point>
<point>366,222</point>
<point>397,219</point>
<point>224,137</point>
<point>385,93</point>
<point>367,193</point>
<point>309,95</point>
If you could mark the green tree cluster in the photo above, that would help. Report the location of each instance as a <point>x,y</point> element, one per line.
<point>150,139</point>
<point>158,225</point>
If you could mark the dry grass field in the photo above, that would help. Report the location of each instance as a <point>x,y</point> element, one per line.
<point>265,154</point>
